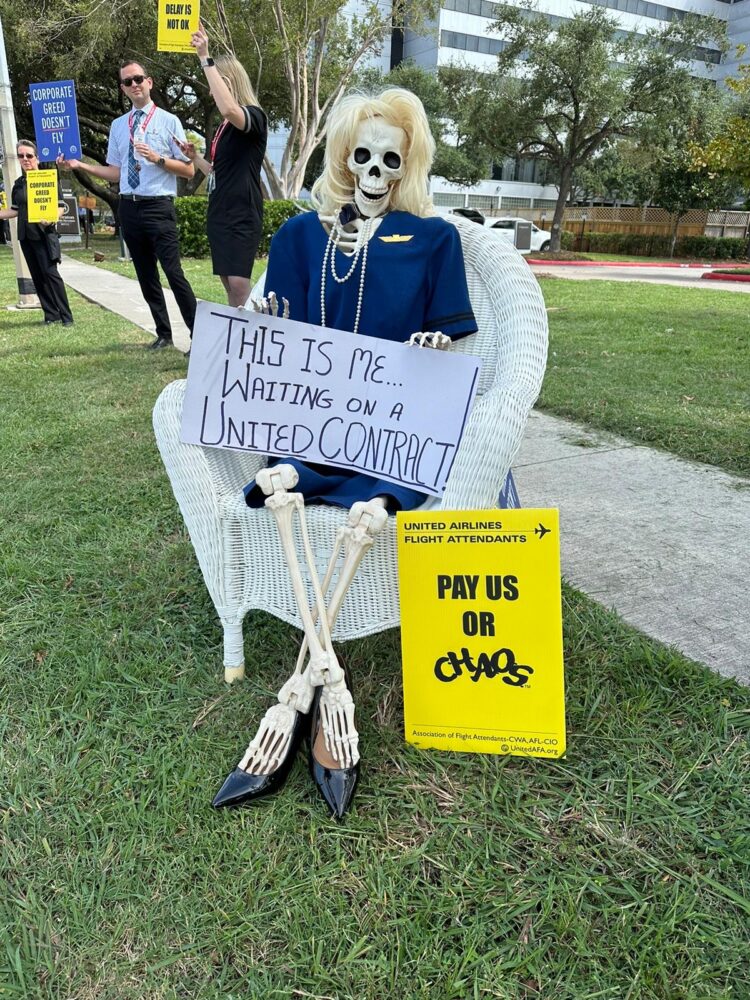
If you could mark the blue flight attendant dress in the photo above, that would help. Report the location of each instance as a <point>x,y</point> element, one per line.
<point>415,282</point>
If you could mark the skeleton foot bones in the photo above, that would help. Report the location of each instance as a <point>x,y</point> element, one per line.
<point>317,666</point>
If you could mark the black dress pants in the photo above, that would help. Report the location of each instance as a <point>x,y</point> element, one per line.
<point>149,227</point>
<point>48,284</point>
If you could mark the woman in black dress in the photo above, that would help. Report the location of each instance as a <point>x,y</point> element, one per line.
<point>39,242</point>
<point>235,201</point>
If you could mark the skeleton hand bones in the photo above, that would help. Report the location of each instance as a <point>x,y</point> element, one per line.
<point>439,341</point>
<point>269,305</point>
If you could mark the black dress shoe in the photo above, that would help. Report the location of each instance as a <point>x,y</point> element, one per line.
<point>51,322</point>
<point>335,784</point>
<point>67,322</point>
<point>242,787</point>
<point>159,343</point>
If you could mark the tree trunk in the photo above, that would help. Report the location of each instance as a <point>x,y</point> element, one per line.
<point>566,182</point>
<point>673,235</point>
<point>108,193</point>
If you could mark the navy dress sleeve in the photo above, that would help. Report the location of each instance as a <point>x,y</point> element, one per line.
<point>287,276</point>
<point>448,308</point>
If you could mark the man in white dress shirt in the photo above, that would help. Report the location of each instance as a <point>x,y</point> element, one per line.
<point>144,156</point>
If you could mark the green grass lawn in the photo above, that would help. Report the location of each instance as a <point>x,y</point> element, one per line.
<point>660,364</point>
<point>619,872</point>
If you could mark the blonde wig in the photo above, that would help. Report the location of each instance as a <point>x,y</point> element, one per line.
<point>335,186</point>
<point>237,80</point>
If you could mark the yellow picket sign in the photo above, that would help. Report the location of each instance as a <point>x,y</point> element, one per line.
<point>3,201</point>
<point>481,631</point>
<point>177,22</point>
<point>42,194</point>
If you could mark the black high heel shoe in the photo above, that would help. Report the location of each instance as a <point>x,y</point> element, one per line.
<point>242,787</point>
<point>335,784</point>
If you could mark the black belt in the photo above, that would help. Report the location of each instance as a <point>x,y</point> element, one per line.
<point>147,197</point>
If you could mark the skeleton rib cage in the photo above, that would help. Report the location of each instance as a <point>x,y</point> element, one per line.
<point>238,548</point>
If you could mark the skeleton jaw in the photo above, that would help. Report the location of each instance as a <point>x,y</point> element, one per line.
<point>371,200</point>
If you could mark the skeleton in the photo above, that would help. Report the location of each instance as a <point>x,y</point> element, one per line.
<point>376,163</point>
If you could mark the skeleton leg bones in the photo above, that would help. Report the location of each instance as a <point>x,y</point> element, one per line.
<point>271,751</point>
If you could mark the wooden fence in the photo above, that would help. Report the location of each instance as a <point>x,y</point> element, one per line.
<point>648,221</point>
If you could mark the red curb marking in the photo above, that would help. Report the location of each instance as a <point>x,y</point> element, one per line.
<point>726,277</point>
<point>622,263</point>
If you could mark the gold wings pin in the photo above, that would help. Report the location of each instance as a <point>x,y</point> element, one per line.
<point>396,238</point>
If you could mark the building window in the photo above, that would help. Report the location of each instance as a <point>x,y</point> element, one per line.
<point>485,201</point>
<point>445,199</point>
<point>515,202</point>
<point>471,43</point>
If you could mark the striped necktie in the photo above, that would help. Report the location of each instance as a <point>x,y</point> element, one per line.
<point>134,176</point>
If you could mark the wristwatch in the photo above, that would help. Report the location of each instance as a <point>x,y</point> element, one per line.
<point>208,61</point>
<point>161,161</point>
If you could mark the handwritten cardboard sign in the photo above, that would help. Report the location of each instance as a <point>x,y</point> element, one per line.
<point>481,631</point>
<point>53,106</point>
<point>41,191</point>
<point>177,22</point>
<point>263,384</point>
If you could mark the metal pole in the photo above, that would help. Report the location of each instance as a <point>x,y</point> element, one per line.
<point>11,171</point>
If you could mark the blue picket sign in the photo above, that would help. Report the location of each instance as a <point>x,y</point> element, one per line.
<point>53,106</point>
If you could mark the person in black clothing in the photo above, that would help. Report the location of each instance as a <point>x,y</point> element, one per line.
<point>39,242</point>
<point>235,201</point>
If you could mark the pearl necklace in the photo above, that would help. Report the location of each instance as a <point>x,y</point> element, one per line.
<point>330,254</point>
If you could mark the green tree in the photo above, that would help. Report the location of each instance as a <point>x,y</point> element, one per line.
<point>458,103</point>
<point>728,151</point>
<point>584,82</point>
<point>300,54</point>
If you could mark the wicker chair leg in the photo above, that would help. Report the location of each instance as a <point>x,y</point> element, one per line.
<point>234,652</point>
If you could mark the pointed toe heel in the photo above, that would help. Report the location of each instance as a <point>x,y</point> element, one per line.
<point>335,784</point>
<point>241,787</point>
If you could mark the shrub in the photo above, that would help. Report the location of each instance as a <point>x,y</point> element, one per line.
<point>645,245</point>
<point>191,224</point>
<point>567,240</point>
<point>275,214</point>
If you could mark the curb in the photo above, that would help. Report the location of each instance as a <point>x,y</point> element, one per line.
<point>621,263</point>
<point>726,277</point>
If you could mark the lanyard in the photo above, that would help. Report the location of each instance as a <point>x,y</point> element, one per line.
<point>143,126</point>
<point>215,141</point>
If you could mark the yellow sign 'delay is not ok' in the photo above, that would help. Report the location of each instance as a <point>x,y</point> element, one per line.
<point>481,631</point>
<point>178,19</point>
<point>42,194</point>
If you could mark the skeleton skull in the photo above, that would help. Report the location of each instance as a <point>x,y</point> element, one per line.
<point>377,162</point>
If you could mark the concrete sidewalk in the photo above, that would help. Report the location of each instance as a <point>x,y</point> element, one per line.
<point>123,296</point>
<point>661,540</point>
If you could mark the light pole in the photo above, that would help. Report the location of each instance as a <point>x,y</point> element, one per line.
<point>11,171</point>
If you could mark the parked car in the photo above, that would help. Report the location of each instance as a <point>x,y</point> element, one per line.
<point>540,238</point>
<point>471,213</point>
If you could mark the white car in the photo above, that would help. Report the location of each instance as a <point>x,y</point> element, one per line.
<point>506,227</point>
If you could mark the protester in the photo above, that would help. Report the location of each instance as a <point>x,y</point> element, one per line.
<point>235,202</point>
<point>144,156</point>
<point>39,242</point>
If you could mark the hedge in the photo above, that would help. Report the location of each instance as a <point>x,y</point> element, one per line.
<point>639,244</point>
<point>191,223</point>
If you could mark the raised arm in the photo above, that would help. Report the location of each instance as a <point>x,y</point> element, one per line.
<point>225,102</point>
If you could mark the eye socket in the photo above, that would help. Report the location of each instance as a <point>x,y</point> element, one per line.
<point>361,155</point>
<point>392,160</point>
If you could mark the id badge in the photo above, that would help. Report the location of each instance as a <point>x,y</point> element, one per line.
<point>210,182</point>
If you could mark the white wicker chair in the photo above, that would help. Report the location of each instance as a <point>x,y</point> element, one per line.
<point>238,548</point>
